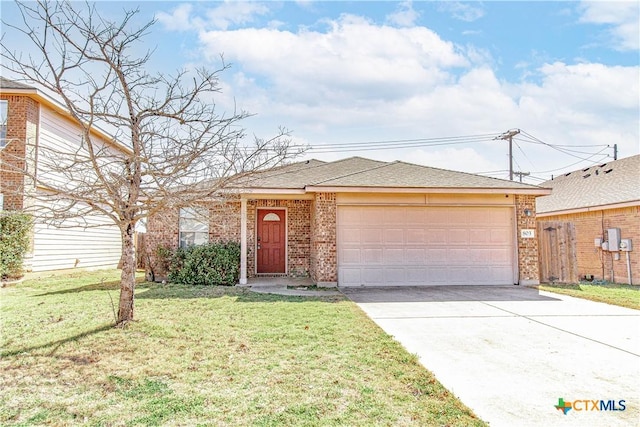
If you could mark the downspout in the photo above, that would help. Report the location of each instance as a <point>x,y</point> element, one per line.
<point>629,268</point>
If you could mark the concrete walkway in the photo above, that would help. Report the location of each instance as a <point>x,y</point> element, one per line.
<point>290,286</point>
<point>510,352</point>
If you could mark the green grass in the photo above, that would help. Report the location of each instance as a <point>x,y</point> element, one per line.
<point>622,295</point>
<point>205,356</point>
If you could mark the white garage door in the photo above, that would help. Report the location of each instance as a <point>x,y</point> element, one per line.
<point>395,246</point>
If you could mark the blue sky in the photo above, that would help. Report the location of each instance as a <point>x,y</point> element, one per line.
<point>344,76</point>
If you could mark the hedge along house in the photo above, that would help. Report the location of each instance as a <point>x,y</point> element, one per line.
<point>361,222</point>
<point>574,222</point>
<point>34,128</point>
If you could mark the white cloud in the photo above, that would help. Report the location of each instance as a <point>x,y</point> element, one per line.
<point>356,81</point>
<point>622,17</point>
<point>404,16</point>
<point>468,12</point>
<point>178,20</point>
<point>235,13</point>
<point>227,14</point>
<point>354,61</point>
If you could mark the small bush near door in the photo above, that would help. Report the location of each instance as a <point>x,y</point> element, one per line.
<point>210,264</point>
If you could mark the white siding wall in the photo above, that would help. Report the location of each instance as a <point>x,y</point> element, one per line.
<point>77,244</point>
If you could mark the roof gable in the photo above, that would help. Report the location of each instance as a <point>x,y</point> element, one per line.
<point>606,184</point>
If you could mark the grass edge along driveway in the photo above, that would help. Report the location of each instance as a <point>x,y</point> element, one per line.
<point>205,356</point>
<point>616,294</point>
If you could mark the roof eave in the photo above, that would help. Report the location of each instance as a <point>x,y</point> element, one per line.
<point>461,190</point>
<point>589,208</point>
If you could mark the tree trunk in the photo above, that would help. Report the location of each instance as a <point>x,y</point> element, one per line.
<point>127,277</point>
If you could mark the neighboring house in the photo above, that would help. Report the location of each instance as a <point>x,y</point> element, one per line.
<point>32,122</point>
<point>361,222</point>
<point>576,217</point>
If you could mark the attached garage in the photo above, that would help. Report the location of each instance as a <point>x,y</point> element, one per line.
<point>426,245</point>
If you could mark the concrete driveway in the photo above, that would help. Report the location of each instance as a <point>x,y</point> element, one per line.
<point>510,352</point>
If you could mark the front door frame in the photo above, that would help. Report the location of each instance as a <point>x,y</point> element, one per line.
<point>286,238</point>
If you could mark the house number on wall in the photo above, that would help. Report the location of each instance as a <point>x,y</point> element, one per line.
<point>528,233</point>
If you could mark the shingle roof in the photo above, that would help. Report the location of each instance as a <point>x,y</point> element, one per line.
<point>367,173</point>
<point>408,175</point>
<point>606,184</point>
<point>11,84</point>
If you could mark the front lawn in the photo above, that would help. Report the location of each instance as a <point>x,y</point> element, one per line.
<point>622,295</point>
<point>204,356</point>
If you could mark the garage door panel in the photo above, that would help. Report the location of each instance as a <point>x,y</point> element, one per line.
<point>479,237</point>
<point>393,256</point>
<point>351,236</point>
<point>373,256</point>
<point>415,217</point>
<point>350,275</point>
<point>457,256</point>
<point>415,255</point>
<point>436,256</point>
<point>417,275</point>
<point>373,276</point>
<point>371,236</point>
<point>416,236</point>
<point>397,246</point>
<point>436,236</point>
<point>500,236</point>
<point>459,237</point>
<point>394,236</point>
<point>394,276</point>
<point>350,256</point>
<point>436,275</point>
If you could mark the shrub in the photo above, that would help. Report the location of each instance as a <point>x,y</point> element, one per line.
<point>210,264</point>
<point>14,243</point>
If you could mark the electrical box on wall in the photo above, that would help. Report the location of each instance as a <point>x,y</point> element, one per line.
<point>597,242</point>
<point>626,245</point>
<point>613,237</point>
<point>605,246</point>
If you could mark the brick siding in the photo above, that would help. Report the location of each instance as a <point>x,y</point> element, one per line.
<point>528,265</point>
<point>594,262</point>
<point>324,260</point>
<point>22,128</point>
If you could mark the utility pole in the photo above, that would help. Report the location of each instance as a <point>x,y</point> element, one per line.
<point>521,174</point>
<point>615,151</point>
<point>508,136</point>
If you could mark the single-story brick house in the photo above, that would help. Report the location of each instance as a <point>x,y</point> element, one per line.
<point>362,222</point>
<point>590,201</point>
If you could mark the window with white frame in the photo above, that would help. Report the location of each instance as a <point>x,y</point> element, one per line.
<point>4,108</point>
<point>194,226</point>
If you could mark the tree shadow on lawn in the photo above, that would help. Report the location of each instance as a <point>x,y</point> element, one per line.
<point>241,294</point>
<point>55,345</point>
<point>106,285</point>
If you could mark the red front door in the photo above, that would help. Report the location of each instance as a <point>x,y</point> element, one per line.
<point>271,241</point>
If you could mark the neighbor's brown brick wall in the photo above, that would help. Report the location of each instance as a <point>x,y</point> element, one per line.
<point>527,248</point>
<point>324,261</point>
<point>22,128</point>
<point>590,225</point>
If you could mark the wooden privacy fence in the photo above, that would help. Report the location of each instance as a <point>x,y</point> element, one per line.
<point>557,252</point>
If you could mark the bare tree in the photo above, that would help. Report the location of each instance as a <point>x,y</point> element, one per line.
<point>168,136</point>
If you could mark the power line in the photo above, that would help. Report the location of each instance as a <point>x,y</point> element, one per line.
<point>399,143</point>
